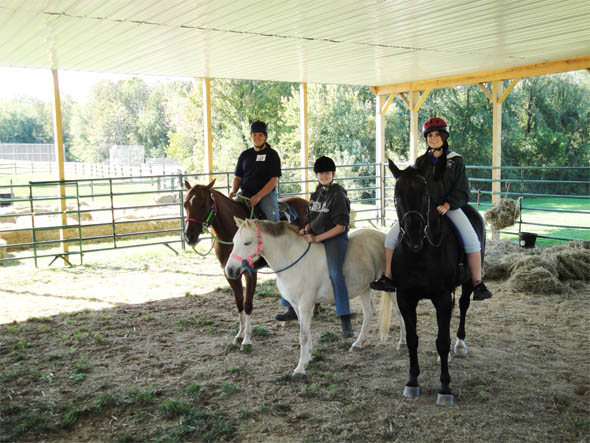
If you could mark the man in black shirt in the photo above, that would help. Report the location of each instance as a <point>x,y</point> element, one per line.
<point>257,173</point>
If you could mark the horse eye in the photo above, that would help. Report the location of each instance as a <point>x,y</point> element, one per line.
<point>248,243</point>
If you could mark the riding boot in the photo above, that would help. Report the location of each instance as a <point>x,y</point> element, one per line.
<point>347,331</point>
<point>289,314</point>
<point>481,292</point>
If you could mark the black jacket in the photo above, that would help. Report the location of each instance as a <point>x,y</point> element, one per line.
<point>446,182</point>
<point>328,206</point>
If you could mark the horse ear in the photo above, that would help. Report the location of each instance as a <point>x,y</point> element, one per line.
<point>187,185</point>
<point>394,169</point>
<point>239,221</point>
<point>210,185</point>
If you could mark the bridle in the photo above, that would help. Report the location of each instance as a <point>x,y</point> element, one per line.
<point>425,220</point>
<point>248,262</point>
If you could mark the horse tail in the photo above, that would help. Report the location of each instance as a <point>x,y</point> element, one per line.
<point>384,316</point>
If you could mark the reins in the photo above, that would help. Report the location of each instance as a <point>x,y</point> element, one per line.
<point>206,224</point>
<point>248,263</point>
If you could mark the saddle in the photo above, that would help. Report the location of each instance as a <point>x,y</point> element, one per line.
<point>286,212</point>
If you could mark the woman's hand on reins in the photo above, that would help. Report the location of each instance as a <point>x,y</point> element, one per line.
<point>442,209</point>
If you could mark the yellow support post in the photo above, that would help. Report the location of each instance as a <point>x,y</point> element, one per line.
<point>304,150</point>
<point>207,137</point>
<point>380,108</point>
<point>60,158</point>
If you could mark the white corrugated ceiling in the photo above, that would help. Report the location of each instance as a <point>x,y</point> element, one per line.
<point>325,41</point>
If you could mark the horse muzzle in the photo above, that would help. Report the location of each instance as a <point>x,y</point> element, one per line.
<point>191,237</point>
<point>233,272</point>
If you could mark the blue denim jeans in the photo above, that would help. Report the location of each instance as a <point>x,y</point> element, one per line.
<point>269,205</point>
<point>335,253</point>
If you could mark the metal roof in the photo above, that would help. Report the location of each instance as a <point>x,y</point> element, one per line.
<point>362,42</point>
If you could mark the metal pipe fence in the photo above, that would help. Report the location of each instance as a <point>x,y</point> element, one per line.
<point>135,211</point>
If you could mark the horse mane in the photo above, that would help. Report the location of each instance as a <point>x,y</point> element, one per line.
<point>276,229</point>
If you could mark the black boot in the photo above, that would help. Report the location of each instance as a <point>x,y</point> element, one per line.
<point>383,284</point>
<point>481,292</point>
<point>289,314</point>
<point>347,331</point>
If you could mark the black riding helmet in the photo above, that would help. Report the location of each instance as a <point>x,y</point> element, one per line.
<point>324,164</point>
<point>258,126</point>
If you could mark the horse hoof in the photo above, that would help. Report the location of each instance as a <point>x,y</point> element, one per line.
<point>246,348</point>
<point>299,376</point>
<point>412,391</point>
<point>402,346</point>
<point>445,399</point>
<point>460,349</point>
<point>355,348</point>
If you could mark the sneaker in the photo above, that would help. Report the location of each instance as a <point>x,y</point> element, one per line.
<point>481,292</point>
<point>289,314</point>
<point>383,284</point>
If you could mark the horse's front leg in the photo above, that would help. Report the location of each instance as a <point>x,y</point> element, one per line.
<point>367,307</point>
<point>237,290</point>
<point>246,314</point>
<point>304,314</point>
<point>407,303</point>
<point>464,301</point>
<point>444,307</point>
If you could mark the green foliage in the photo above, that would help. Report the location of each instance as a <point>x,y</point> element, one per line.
<point>545,121</point>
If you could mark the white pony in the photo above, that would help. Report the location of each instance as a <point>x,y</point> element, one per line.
<point>302,273</point>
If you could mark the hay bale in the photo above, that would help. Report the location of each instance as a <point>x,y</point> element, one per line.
<point>503,214</point>
<point>3,250</point>
<point>172,197</point>
<point>536,275</point>
<point>572,261</point>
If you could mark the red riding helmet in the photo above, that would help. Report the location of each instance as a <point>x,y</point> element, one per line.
<point>435,124</point>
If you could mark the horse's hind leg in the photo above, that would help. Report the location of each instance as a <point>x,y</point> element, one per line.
<point>464,301</point>
<point>367,314</point>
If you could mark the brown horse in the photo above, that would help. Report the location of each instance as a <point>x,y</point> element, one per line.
<point>206,207</point>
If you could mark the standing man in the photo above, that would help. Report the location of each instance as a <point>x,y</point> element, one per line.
<point>257,173</point>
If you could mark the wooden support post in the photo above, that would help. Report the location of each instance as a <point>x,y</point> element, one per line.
<point>207,137</point>
<point>380,109</point>
<point>497,90</point>
<point>414,137</point>
<point>60,158</point>
<point>304,149</point>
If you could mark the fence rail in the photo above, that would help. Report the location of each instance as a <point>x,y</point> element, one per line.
<point>135,211</point>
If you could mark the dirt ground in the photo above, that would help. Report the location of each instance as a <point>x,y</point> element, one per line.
<point>137,347</point>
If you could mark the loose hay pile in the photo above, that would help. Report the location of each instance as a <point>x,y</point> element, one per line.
<point>559,269</point>
<point>503,214</point>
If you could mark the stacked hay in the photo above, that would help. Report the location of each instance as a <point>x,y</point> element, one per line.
<point>503,214</point>
<point>559,269</point>
<point>172,197</point>
<point>2,250</point>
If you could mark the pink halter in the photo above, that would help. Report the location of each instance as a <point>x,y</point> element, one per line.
<point>248,261</point>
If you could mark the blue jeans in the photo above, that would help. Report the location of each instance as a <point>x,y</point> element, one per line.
<point>335,253</point>
<point>269,205</point>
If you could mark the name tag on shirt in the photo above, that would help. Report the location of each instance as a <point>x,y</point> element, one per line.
<point>261,157</point>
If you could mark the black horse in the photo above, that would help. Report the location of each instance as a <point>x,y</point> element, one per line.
<point>429,262</point>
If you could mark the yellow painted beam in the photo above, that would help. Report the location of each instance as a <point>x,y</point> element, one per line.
<point>508,90</point>
<point>207,133</point>
<point>380,153</point>
<point>60,158</point>
<point>383,109</point>
<point>497,90</point>
<point>531,70</point>
<point>303,127</point>
<point>421,100</point>
<point>485,91</point>
<point>404,99</point>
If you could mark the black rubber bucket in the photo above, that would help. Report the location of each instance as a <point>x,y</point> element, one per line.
<point>5,199</point>
<point>527,239</point>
